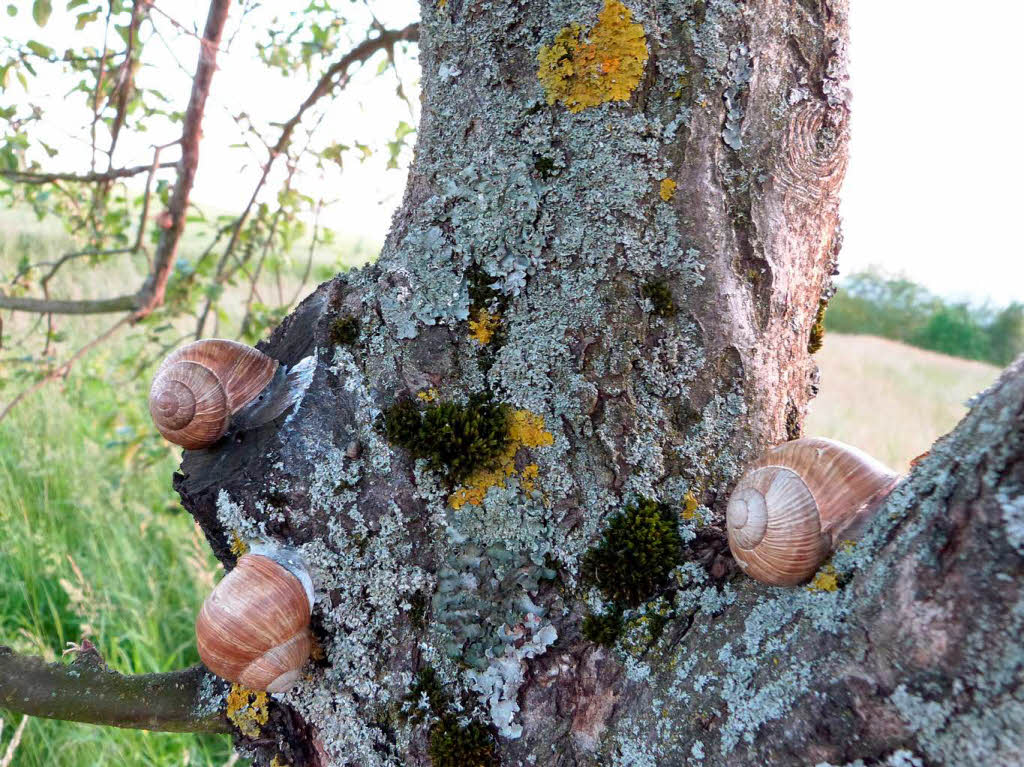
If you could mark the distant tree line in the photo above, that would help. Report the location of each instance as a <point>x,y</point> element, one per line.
<point>897,308</point>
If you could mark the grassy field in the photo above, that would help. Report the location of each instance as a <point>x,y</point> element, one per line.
<point>95,544</point>
<point>890,399</point>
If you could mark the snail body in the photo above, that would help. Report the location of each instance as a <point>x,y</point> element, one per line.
<point>253,629</point>
<point>207,385</point>
<point>799,500</point>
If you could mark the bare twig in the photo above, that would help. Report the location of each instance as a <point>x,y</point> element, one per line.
<point>28,177</point>
<point>87,691</point>
<point>335,76</point>
<point>62,370</point>
<point>151,295</point>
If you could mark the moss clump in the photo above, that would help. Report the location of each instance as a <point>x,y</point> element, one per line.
<point>604,629</point>
<point>456,439</point>
<point>817,337</point>
<point>426,684</point>
<point>456,745</point>
<point>545,166</point>
<point>584,68</point>
<point>658,293</point>
<point>639,549</point>
<point>344,331</point>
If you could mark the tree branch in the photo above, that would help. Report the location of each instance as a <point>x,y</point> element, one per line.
<point>28,177</point>
<point>59,306</point>
<point>336,74</point>
<point>87,691</point>
<point>152,292</point>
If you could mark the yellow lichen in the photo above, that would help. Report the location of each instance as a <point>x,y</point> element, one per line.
<point>427,396</point>
<point>483,326</point>
<point>278,762</point>
<point>668,189</point>
<point>527,477</point>
<point>690,505</point>
<point>826,579</point>
<point>583,69</point>
<point>247,710</point>
<point>238,546</point>
<point>525,429</point>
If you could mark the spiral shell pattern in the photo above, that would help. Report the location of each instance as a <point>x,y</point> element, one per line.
<point>254,627</point>
<point>200,386</point>
<point>796,502</point>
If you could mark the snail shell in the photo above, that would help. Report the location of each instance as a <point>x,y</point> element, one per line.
<point>254,627</point>
<point>200,386</point>
<point>796,502</point>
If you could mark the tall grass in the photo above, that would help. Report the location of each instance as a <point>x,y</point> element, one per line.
<point>95,546</point>
<point>93,542</point>
<point>890,399</point>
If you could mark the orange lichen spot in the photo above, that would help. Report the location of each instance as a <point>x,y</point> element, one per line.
<point>442,3</point>
<point>316,651</point>
<point>428,395</point>
<point>247,710</point>
<point>585,68</point>
<point>527,477</point>
<point>238,546</point>
<point>668,189</point>
<point>690,505</point>
<point>826,579</point>
<point>483,326</point>
<point>525,429</point>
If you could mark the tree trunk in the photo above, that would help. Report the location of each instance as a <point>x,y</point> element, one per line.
<point>622,231</point>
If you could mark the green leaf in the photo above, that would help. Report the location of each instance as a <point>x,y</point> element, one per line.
<point>39,49</point>
<point>41,10</point>
<point>12,10</point>
<point>72,4</point>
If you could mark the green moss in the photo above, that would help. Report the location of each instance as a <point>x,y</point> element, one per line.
<point>418,614</point>
<point>545,166</point>
<point>817,337</point>
<point>455,439</point>
<point>344,331</point>
<point>426,683</point>
<point>604,629</point>
<point>456,745</point>
<point>639,549</point>
<point>658,293</point>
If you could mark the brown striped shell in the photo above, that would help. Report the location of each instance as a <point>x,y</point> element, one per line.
<point>253,629</point>
<point>799,500</point>
<point>200,386</point>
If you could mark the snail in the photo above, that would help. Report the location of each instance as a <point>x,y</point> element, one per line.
<point>253,629</point>
<point>204,387</point>
<point>798,501</point>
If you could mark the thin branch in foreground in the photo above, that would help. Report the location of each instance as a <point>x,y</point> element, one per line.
<point>30,177</point>
<point>87,691</point>
<point>62,370</point>
<point>15,742</point>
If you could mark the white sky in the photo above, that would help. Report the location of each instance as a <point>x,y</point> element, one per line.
<point>932,188</point>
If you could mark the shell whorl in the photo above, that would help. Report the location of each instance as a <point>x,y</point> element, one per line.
<point>798,500</point>
<point>254,627</point>
<point>200,386</point>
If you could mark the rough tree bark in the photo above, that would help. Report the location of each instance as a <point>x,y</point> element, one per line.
<point>634,251</point>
